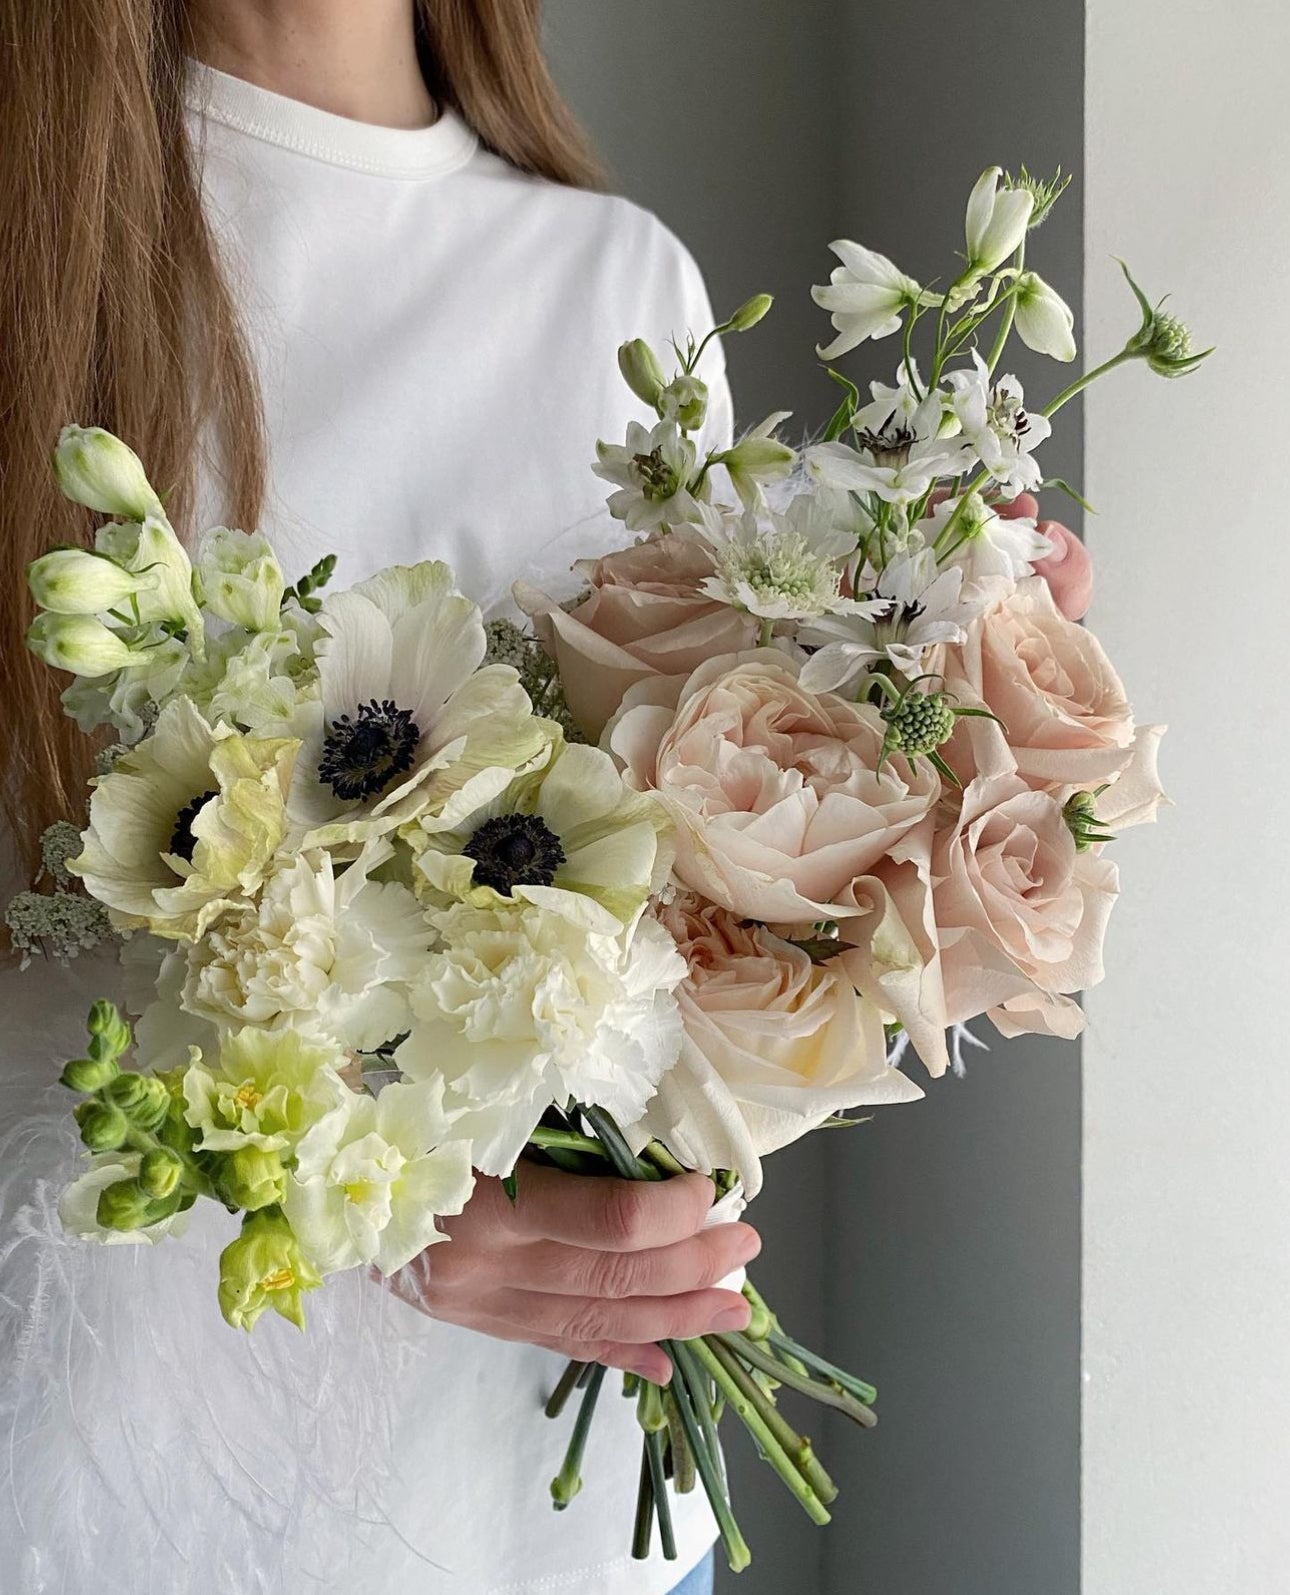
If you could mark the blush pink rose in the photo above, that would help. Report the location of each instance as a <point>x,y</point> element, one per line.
<point>1020,913</point>
<point>774,792</point>
<point>773,1044</point>
<point>1065,720</point>
<point>644,616</point>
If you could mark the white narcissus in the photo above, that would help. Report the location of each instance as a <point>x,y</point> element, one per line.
<point>185,824</point>
<point>571,830</point>
<point>374,1175</point>
<point>332,954</point>
<point>261,1088</point>
<point>865,297</point>
<point>407,722</point>
<point>525,1007</point>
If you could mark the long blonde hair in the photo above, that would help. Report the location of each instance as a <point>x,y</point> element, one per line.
<point>113,307</point>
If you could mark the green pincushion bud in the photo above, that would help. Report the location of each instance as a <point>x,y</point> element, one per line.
<point>264,1268</point>
<point>641,371</point>
<point>127,1206</point>
<point>160,1173</point>
<point>89,1074</point>
<point>103,1127</point>
<point>920,723</point>
<point>252,1178</point>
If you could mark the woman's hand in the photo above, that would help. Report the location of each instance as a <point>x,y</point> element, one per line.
<point>596,1269</point>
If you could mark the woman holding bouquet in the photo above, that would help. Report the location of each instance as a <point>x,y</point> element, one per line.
<point>349,257</point>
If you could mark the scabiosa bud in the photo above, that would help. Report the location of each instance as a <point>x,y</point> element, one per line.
<point>1163,339</point>
<point>920,723</point>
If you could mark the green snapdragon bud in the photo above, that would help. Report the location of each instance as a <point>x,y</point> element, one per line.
<point>127,1206</point>
<point>143,1098</point>
<point>750,312</point>
<point>264,1268</point>
<point>103,1127</point>
<point>160,1173</point>
<point>106,1024</point>
<point>641,371</point>
<point>252,1178</point>
<point>89,1074</point>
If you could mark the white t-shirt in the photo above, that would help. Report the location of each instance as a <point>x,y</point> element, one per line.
<point>436,336</point>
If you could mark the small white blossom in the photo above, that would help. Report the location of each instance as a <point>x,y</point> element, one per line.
<point>785,566</point>
<point>651,472</point>
<point>993,551</point>
<point>996,221</point>
<point>999,427</point>
<point>865,297</point>
<point>1045,322</point>
<point>75,581</point>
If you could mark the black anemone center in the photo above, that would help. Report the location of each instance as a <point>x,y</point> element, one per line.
<point>363,754</point>
<point>513,850</point>
<point>182,840</point>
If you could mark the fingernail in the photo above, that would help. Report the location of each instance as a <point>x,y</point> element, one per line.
<point>652,1373</point>
<point>749,1246</point>
<point>733,1318</point>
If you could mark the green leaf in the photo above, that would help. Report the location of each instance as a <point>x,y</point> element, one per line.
<point>1065,487</point>
<point>841,418</point>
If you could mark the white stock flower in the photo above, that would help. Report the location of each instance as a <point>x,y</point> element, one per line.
<point>1045,322</point>
<point>255,680</point>
<point>996,221</point>
<point>322,953</point>
<point>918,608</point>
<point>651,473</point>
<point>523,1008</point>
<point>374,1175</point>
<point>780,566</point>
<point>241,579</point>
<point>96,469</point>
<point>865,297</point>
<point>262,1088</point>
<point>999,427</point>
<point>570,836</point>
<point>185,824</point>
<point>406,722</point>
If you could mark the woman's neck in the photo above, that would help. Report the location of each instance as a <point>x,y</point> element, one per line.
<point>354,58</point>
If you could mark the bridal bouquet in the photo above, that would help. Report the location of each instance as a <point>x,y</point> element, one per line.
<point>818,769</point>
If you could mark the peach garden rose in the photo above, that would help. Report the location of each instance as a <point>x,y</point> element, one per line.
<point>773,1045</point>
<point>775,793</point>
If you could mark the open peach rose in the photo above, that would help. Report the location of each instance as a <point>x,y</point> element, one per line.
<point>774,1044</point>
<point>1065,719</point>
<point>1020,913</point>
<point>644,616</point>
<point>775,793</point>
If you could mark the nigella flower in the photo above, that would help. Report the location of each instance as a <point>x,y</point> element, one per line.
<point>916,608</point>
<point>571,836</point>
<point>406,721</point>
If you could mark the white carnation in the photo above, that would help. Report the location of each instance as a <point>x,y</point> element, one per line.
<point>524,1008</point>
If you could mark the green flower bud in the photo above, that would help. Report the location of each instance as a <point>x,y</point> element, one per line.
<point>641,370</point>
<point>1162,340</point>
<point>98,470</point>
<point>160,1173</point>
<point>103,1127</point>
<point>264,1268</point>
<point>252,1178</point>
<point>920,723</point>
<point>143,1099</point>
<point>685,401</point>
<point>127,1206</point>
<point>1045,192</point>
<point>89,1074</point>
<point>1081,819</point>
<point>105,1020</point>
<point>80,644</point>
<point>74,581</point>
<point>750,312</point>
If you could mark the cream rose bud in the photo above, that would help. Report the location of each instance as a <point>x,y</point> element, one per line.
<point>773,1044</point>
<point>645,615</point>
<point>1065,720</point>
<point>1020,913</point>
<point>81,644</point>
<point>98,470</point>
<point>73,581</point>
<point>241,579</point>
<point>775,793</point>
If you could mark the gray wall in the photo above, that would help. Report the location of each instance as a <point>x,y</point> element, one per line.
<point>935,1250</point>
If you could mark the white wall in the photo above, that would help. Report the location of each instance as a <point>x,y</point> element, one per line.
<point>1187,1081</point>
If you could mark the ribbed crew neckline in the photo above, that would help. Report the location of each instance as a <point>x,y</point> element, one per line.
<point>421,152</point>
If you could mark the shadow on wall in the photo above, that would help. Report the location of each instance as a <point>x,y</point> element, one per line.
<point>935,1250</point>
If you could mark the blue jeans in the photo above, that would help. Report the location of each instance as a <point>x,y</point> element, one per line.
<point>698,1582</point>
